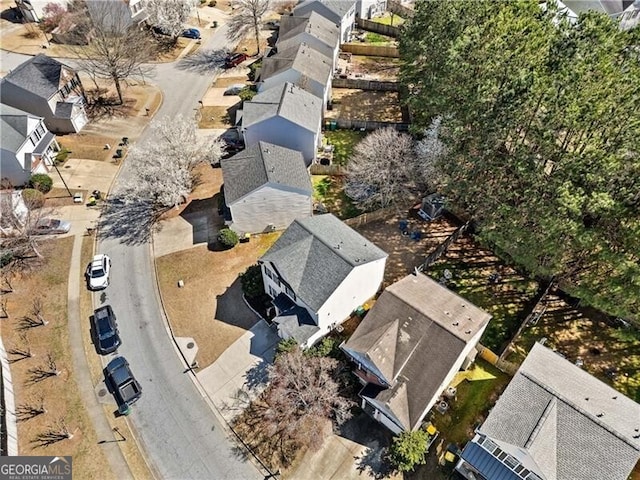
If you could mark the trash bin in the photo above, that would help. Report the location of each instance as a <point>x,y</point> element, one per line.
<point>215,24</point>
<point>333,125</point>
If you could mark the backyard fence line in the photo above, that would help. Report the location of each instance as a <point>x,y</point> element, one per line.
<point>362,84</point>
<point>489,356</point>
<point>371,50</point>
<point>444,246</point>
<point>9,427</point>
<point>536,312</point>
<point>371,216</point>
<point>376,27</point>
<point>317,169</point>
<point>366,125</point>
<point>399,9</point>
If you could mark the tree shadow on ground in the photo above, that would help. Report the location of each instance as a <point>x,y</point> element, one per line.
<point>365,431</point>
<point>204,61</point>
<point>131,221</point>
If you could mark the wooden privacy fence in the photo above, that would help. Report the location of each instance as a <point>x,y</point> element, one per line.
<point>442,248</point>
<point>317,169</point>
<point>370,50</point>
<point>376,27</point>
<point>367,125</point>
<point>399,9</point>
<point>371,216</point>
<point>362,84</point>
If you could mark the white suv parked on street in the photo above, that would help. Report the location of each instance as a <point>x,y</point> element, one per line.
<point>98,272</point>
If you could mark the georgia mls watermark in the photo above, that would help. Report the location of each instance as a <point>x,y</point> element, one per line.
<point>35,468</point>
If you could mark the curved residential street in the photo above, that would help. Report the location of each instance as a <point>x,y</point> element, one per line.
<point>174,422</point>
<point>179,433</point>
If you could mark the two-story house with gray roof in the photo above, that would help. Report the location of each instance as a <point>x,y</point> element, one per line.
<point>555,421</point>
<point>300,65</point>
<point>266,187</point>
<point>285,115</point>
<point>410,346</point>
<point>44,87</point>
<point>313,30</point>
<point>317,273</point>
<point>339,12</point>
<point>28,147</point>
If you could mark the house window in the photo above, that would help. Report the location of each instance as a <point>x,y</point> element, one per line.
<point>272,292</point>
<point>268,272</point>
<point>289,292</point>
<point>511,462</point>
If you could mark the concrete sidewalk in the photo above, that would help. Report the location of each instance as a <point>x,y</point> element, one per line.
<point>242,367</point>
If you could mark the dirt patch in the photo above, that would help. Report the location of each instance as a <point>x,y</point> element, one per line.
<point>210,287</point>
<point>405,254</point>
<point>88,145</point>
<point>379,68</point>
<point>354,104</point>
<point>59,393</point>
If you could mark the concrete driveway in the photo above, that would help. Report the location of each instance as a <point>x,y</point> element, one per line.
<point>85,174</point>
<point>239,374</point>
<point>187,230</point>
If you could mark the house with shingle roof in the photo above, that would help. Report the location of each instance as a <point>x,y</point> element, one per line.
<point>555,421</point>
<point>285,115</point>
<point>339,12</point>
<point>44,87</point>
<point>266,187</point>
<point>410,346</point>
<point>317,273</point>
<point>314,30</point>
<point>28,147</point>
<point>301,65</point>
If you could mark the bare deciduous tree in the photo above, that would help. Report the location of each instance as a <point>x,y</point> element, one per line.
<point>4,313</point>
<point>383,170</point>
<point>35,317</point>
<point>170,15</point>
<point>45,370</point>
<point>55,433</point>
<point>31,408</point>
<point>247,17</point>
<point>163,170</point>
<point>118,49</point>
<point>429,151</point>
<point>21,349</point>
<point>304,397</point>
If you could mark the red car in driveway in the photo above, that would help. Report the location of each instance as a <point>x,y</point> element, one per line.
<point>234,60</point>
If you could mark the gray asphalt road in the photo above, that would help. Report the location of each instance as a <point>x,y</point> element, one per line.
<point>179,433</point>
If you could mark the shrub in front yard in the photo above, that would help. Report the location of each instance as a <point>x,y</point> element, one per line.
<point>247,93</point>
<point>286,346</point>
<point>41,182</point>
<point>408,450</point>
<point>251,280</point>
<point>33,198</point>
<point>227,238</point>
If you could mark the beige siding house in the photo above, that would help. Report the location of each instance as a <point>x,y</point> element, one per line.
<point>266,187</point>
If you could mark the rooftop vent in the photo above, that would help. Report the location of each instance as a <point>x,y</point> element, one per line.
<point>467,332</point>
<point>455,324</point>
<point>600,415</point>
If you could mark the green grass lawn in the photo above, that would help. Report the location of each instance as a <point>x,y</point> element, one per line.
<point>386,20</point>
<point>344,142</point>
<point>473,401</point>
<point>330,192</point>
<point>372,37</point>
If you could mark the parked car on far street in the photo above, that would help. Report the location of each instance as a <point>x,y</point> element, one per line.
<point>191,33</point>
<point>98,272</point>
<point>105,328</point>
<point>235,89</point>
<point>48,226</point>
<point>125,387</point>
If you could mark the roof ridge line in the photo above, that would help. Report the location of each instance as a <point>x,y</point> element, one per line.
<point>582,412</point>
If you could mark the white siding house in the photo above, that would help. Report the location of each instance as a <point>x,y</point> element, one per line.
<point>410,346</point>
<point>317,273</point>
<point>266,187</point>
<point>370,8</point>
<point>287,116</point>
<point>27,146</point>
<point>49,89</point>
<point>339,12</point>
<point>33,10</point>
<point>300,65</point>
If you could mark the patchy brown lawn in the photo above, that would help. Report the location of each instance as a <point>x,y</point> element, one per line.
<point>404,253</point>
<point>222,82</point>
<point>207,275</point>
<point>354,104</point>
<point>381,68</point>
<point>217,117</point>
<point>61,399</point>
<point>609,352</point>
